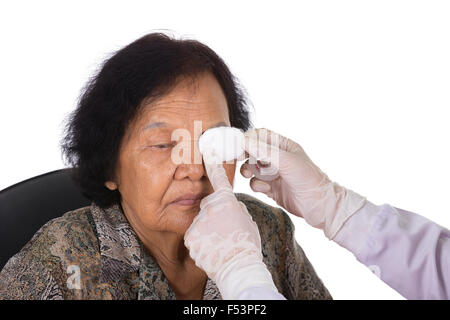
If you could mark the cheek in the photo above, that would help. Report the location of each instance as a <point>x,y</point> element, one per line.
<point>145,180</point>
<point>153,180</point>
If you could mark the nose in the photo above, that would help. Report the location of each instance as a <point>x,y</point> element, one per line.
<point>193,168</point>
<point>191,171</point>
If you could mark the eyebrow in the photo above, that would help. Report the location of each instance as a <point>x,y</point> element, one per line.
<point>219,124</point>
<point>153,125</point>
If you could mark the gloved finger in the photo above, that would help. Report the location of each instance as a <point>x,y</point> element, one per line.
<point>216,174</point>
<point>264,153</point>
<point>258,149</point>
<point>258,185</point>
<point>272,138</point>
<point>219,198</point>
<point>246,170</point>
<point>264,135</point>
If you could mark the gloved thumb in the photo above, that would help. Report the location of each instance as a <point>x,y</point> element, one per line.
<point>216,173</point>
<point>258,185</point>
<point>261,150</point>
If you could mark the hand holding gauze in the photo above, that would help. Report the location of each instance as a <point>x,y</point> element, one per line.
<point>224,241</point>
<point>301,187</point>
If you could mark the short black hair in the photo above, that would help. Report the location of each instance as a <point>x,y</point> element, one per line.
<point>146,68</point>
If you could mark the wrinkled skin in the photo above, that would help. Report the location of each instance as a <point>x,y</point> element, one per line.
<point>149,180</point>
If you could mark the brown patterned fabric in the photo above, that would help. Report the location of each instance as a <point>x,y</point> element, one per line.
<point>113,263</point>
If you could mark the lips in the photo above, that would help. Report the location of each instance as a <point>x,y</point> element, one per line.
<point>189,199</point>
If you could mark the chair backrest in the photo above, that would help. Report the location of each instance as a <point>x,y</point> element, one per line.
<point>28,205</point>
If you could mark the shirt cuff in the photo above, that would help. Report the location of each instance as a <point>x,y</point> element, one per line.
<point>356,230</point>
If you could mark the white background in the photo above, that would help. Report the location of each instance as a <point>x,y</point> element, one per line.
<point>363,86</point>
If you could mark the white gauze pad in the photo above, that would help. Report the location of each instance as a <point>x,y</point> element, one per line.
<point>222,143</point>
<point>225,144</point>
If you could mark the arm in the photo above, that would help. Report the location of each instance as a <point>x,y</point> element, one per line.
<point>411,252</point>
<point>407,251</point>
<point>224,241</point>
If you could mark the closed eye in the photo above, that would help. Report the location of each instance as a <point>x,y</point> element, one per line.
<point>163,146</point>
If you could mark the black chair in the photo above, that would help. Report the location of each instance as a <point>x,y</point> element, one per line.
<point>28,205</point>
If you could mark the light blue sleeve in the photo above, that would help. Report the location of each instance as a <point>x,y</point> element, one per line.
<point>407,251</point>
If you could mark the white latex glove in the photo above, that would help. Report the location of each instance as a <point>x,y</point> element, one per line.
<point>224,241</point>
<point>300,187</point>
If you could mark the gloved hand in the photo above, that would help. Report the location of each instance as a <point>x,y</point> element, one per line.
<point>224,241</point>
<point>301,187</point>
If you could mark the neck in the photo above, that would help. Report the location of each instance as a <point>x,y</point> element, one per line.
<point>166,247</point>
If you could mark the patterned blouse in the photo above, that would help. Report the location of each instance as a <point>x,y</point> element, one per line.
<point>93,253</point>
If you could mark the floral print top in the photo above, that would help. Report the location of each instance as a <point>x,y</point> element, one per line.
<point>94,253</point>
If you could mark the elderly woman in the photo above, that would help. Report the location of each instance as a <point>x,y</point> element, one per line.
<point>128,244</point>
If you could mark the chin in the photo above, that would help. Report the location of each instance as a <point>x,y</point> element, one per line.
<point>182,219</point>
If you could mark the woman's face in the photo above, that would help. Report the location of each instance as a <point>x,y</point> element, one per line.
<point>148,178</point>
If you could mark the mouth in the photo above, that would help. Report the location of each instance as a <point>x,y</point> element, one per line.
<point>189,199</point>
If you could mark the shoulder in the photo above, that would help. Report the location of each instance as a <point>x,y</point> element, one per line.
<point>72,232</point>
<point>51,254</point>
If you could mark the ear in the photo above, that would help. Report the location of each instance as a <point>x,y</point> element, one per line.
<point>111,185</point>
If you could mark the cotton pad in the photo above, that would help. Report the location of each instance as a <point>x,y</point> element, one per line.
<point>223,143</point>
